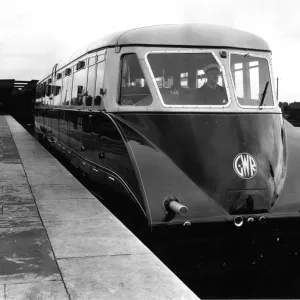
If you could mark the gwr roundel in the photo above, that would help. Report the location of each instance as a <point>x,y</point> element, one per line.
<point>245,166</point>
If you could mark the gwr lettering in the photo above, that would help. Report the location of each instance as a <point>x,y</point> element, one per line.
<point>245,166</point>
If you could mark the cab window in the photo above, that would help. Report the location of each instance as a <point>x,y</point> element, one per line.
<point>188,78</point>
<point>134,89</point>
<point>251,79</point>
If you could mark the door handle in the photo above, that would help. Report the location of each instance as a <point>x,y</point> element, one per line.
<point>101,155</point>
<point>82,148</point>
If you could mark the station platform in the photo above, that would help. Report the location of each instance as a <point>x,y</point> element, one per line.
<point>57,241</point>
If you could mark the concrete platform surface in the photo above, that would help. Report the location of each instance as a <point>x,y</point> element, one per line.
<point>57,241</point>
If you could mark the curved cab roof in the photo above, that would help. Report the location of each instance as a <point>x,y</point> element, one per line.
<point>181,35</point>
<point>199,35</point>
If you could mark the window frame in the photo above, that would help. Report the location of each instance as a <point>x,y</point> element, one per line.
<point>68,71</point>
<point>58,76</point>
<point>193,51</point>
<point>75,71</point>
<point>70,77</point>
<point>243,53</point>
<point>81,64</point>
<point>60,93</point>
<point>91,66</point>
<point>98,62</point>
<point>118,102</point>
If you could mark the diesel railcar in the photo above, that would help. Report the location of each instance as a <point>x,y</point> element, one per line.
<point>180,120</point>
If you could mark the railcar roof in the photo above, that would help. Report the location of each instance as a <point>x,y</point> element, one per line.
<point>182,35</point>
<point>194,34</point>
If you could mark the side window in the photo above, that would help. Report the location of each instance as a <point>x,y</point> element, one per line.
<point>70,85</point>
<point>48,91</point>
<point>68,92</point>
<point>99,82</point>
<point>38,93</point>
<point>67,83</point>
<point>43,91</point>
<point>57,90</point>
<point>49,87</point>
<point>184,79</point>
<point>79,87</point>
<point>91,82</point>
<point>134,89</point>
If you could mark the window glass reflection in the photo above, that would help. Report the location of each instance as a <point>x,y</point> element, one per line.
<point>91,83</point>
<point>188,78</point>
<point>251,76</point>
<point>66,90</point>
<point>99,82</point>
<point>79,87</point>
<point>57,89</point>
<point>134,88</point>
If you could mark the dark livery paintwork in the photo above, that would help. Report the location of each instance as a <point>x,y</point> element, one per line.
<point>189,156</point>
<point>93,143</point>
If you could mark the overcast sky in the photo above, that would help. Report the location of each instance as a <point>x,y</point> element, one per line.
<point>36,34</point>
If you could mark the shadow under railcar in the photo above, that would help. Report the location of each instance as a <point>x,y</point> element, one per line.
<point>241,265</point>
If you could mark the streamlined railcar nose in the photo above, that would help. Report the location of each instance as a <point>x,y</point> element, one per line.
<point>215,165</point>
